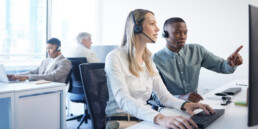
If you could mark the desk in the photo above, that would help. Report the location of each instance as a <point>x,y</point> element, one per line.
<point>26,105</point>
<point>235,117</point>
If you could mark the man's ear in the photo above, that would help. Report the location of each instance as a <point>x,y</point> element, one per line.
<point>83,40</point>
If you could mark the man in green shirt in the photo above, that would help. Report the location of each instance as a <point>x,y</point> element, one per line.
<point>179,63</point>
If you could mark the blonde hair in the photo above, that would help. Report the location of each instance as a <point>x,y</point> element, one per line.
<point>129,42</point>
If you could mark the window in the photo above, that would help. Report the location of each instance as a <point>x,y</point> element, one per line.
<point>69,18</point>
<point>22,33</point>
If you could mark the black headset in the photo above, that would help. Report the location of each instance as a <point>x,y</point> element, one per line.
<point>137,28</point>
<point>165,32</point>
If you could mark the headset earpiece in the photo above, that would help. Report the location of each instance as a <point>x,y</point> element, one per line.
<point>58,48</point>
<point>137,28</point>
<point>165,34</point>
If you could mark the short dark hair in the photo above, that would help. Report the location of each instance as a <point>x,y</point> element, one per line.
<point>172,20</point>
<point>54,41</point>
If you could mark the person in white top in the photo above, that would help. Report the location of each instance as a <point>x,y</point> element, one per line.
<point>132,76</point>
<point>82,48</point>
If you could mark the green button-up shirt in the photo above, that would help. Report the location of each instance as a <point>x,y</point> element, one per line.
<point>180,71</point>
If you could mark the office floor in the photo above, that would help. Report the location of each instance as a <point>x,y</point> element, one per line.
<point>76,109</point>
<point>74,123</point>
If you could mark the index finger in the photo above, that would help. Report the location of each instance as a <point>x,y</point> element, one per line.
<point>237,50</point>
<point>210,109</point>
<point>204,108</point>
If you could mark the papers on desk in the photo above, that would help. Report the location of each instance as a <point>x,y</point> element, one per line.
<point>214,97</point>
<point>40,82</point>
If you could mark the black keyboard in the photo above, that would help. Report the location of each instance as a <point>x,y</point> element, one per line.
<point>232,91</point>
<point>203,120</point>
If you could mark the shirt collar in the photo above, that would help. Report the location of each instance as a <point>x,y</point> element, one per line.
<point>56,57</point>
<point>171,53</point>
<point>81,45</point>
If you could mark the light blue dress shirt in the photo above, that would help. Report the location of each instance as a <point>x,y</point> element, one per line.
<point>180,71</point>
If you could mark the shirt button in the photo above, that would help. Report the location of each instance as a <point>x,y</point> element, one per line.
<point>183,81</point>
<point>182,72</point>
<point>178,62</point>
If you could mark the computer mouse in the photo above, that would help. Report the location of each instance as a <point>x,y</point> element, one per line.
<point>220,94</point>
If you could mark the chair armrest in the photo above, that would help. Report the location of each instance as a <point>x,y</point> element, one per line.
<point>154,104</point>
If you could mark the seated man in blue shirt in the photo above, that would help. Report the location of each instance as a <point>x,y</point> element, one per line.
<point>179,63</point>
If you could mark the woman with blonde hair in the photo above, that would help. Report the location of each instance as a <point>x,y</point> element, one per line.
<point>132,76</point>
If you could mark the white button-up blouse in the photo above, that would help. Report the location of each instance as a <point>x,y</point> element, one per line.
<point>128,93</point>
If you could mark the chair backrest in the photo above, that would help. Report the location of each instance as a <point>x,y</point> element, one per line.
<point>75,89</point>
<point>96,92</point>
<point>68,77</point>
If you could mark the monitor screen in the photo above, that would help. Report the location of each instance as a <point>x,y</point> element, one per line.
<point>253,67</point>
<point>103,50</point>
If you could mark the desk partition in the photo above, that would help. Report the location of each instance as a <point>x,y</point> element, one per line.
<point>6,111</point>
<point>29,106</point>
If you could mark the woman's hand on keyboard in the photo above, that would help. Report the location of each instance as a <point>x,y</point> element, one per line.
<point>175,122</point>
<point>190,107</point>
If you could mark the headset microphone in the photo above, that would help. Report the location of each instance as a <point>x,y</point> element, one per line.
<point>148,37</point>
<point>138,29</point>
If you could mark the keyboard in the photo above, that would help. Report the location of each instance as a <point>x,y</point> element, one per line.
<point>203,120</point>
<point>232,91</point>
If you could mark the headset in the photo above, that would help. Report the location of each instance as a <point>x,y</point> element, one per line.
<point>58,47</point>
<point>165,32</point>
<point>56,42</point>
<point>138,29</point>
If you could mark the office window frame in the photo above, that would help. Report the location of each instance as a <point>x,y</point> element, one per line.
<point>22,60</point>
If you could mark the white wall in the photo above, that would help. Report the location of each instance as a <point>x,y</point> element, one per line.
<point>219,25</point>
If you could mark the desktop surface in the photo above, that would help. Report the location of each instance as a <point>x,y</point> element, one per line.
<point>235,116</point>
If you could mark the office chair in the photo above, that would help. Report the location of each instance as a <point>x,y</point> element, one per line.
<point>75,90</point>
<point>96,92</point>
<point>68,77</point>
<point>94,83</point>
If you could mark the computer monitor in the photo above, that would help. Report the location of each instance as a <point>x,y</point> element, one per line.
<point>103,50</point>
<point>253,67</point>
